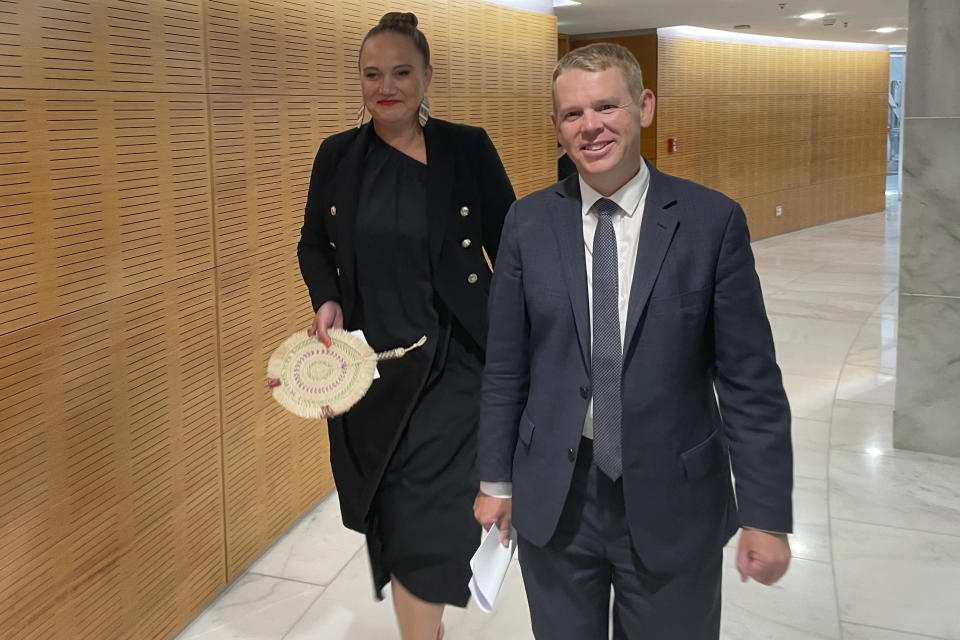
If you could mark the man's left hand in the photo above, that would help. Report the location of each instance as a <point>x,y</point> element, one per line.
<point>494,512</point>
<point>762,556</point>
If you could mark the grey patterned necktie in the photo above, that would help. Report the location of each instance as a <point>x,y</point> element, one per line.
<point>607,352</point>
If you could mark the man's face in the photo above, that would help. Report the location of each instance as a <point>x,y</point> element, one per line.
<point>598,123</point>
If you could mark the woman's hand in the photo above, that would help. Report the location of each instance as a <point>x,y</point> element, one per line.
<point>329,316</point>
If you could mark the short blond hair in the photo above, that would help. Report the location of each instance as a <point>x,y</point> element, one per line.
<point>600,56</point>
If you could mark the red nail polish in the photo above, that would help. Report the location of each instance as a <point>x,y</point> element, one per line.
<point>327,343</point>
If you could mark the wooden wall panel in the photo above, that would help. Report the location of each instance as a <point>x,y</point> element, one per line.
<point>154,163</point>
<point>263,149</point>
<point>801,128</point>
<point>111,466</point>
<point>509,121</point>
<point>114,45</point>
<point>103,194</point>
<point>276,464</point>
<point>290,47</point>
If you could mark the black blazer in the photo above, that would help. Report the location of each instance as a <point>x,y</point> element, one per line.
<point>468,194</point>
<point>696,322</point>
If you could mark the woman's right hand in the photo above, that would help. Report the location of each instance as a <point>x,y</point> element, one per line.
<point>329,316</point>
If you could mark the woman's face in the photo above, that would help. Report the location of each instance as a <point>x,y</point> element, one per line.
<point>393,78</point>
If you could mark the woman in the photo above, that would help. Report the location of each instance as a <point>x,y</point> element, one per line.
<point>398,216</point>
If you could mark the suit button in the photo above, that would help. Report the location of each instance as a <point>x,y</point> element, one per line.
<point>465,243</point>
<point>584,393</point>
<point>333,245</point>
<point>333,211</point>
<point>571,455</point>
<point>472,278</point>
<point>464,211</point>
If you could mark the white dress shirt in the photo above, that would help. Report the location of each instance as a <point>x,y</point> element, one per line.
<point>631,198</point>
<point>626,226</point>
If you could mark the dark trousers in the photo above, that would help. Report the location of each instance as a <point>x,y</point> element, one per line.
<point>568,581</point>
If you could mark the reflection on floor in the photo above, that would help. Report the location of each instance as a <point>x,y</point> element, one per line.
<point>877,542</point>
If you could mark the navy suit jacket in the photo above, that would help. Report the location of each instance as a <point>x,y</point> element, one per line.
<point>696,324</point>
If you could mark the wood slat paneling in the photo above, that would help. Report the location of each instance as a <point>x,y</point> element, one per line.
<point>110,444</point>
<point>274,461</point>
<point>114,45</point>
<point>154,163</point>
<point>263,150</point>
<point>768,126</point>
<point>102,194</point>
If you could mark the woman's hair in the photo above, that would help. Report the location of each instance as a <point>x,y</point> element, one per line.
<point>404,24</point>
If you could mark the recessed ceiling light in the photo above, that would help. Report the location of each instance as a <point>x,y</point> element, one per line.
<point>565,3</point>
<point>886,29</point>
<point>812,16</point>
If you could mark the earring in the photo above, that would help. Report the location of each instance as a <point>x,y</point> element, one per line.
<point>360,115</point>
<point>424,114</point>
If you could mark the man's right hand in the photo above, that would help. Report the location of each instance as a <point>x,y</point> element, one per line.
<point>490,511</point>
<point>329,316</point>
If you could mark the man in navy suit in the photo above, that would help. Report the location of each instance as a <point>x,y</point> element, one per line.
<point>630,367</point>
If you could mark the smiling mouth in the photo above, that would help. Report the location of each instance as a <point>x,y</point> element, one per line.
<point>388,102</point>
<point>596,146</point>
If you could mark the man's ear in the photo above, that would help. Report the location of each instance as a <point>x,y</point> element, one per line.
<point>648,108</point>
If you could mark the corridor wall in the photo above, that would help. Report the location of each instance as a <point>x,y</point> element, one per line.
<point>154,160</point>
<point>800,127</point>
<point>803,128</point>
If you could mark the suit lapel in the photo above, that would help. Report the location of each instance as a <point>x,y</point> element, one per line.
<point>656,233</point>
<point>347,190</point>
<point>440,170</point>
<point>568,229</point>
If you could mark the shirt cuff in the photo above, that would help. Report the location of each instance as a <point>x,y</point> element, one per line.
<point>497,489</point>
<point>776,533</point>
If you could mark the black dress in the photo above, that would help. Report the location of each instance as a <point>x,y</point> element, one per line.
<point>421,526</point>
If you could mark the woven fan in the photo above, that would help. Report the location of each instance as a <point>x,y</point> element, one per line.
<point>321,382</point>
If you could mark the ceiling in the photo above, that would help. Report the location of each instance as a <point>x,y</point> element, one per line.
<point>765,17</point>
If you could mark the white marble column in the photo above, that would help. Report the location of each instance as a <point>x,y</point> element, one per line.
<point>927,413</point>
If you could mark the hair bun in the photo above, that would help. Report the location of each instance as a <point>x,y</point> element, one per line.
<point>399,18</point>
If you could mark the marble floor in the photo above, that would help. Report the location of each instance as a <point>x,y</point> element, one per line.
<point>877,542</point>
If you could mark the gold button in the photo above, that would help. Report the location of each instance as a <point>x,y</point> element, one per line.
<point>333,245</point>
<point>464,211</point>
<point>333,211</point>
<point>472,278</point>
<point>465,243</point>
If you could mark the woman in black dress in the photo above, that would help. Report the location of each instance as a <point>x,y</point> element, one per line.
<point>399,215</point>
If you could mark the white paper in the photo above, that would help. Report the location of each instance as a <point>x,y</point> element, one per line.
<point>489,565</point>
<point>359,334</point>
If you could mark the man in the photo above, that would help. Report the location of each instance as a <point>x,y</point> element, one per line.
<point>624,306</point>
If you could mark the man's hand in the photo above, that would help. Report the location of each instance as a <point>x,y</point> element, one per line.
<point>328,316</point>
<point>762,556</point>
<point>490,511</point>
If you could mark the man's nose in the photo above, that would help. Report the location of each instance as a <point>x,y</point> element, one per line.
<point>591,122</point>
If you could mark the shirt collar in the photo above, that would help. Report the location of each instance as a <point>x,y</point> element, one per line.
<point>627,197</point>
